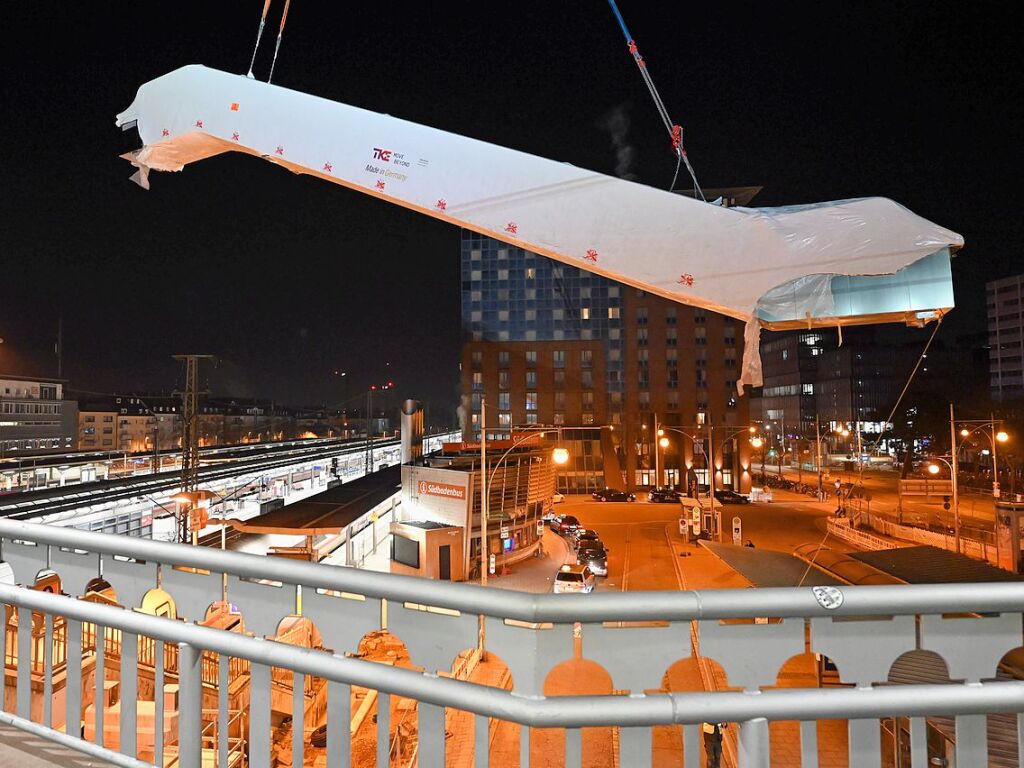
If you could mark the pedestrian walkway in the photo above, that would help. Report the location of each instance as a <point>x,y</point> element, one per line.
<point>535,574</point>
<point>23,750</point>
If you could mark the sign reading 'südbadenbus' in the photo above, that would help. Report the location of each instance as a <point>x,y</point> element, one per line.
<point>437,494</point>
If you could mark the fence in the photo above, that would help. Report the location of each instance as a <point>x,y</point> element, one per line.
<point>634,637</point>
<point>979,549</point>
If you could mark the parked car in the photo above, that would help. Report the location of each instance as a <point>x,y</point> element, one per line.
<point>567,524</point>
<point>557,498</point>
<point>553,522</point>
<point>725,496</point>
<point>574,578</point>
<point>594,555</point>
<point>581,535</point>
<point>664,496</point>
<point>610,494</point>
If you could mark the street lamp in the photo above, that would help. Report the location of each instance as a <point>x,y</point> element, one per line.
<point>711,453</point>
<point>988,426</point>
<point>935,469</point>
<point>559,456</point>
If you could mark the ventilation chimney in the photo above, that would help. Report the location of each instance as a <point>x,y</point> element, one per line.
<point>412,431</point>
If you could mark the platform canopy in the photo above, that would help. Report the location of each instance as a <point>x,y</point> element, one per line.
<point>824,264</point>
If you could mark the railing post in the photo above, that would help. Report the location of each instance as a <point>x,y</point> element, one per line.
<point>481,741</point>
<point>129,694</point>
<point>223,716</point>
<point>339,720</point>
<point>190,706</point>
<point>24,671</point>
<point>754,748</point>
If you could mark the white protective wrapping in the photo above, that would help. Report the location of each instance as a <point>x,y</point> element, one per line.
<point>722,259</point>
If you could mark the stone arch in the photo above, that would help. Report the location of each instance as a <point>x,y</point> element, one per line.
<point>685,675</point>
<point>99,590</point>
<point>48,580</point>
<point>919,667</point>
<point>494,672</point>
<point>302,632</point>
<point>577,676</point>
<point>808,670</point>
<point>157,602</point>
<point>491,670</point>
<point>1012,664</point>
<point>383,647</point>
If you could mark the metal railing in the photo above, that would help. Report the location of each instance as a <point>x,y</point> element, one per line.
<point>636,637</point>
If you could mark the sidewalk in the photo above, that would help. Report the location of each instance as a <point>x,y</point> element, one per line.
<point>535,574</point>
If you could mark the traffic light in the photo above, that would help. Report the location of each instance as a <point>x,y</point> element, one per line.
<point>945,503</point>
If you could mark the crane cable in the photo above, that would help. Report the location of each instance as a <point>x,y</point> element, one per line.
<point>280,33</point>
<point>259,35</point>
<point>675,130</point>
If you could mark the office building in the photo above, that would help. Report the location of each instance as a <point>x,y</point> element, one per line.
<point>35,417</point>
<point>790,363</point>
<point>602,364</point>
<point>1004,300</point>
<point>446,489</point>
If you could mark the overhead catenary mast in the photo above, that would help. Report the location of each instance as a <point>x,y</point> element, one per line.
<point>189,436</point>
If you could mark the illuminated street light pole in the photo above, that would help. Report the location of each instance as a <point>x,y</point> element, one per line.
<point>934,469</point>
<point>663,442</point>
<point>989,428</point>
<point>559,456</point>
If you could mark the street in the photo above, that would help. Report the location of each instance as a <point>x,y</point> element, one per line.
<point>646,552</point>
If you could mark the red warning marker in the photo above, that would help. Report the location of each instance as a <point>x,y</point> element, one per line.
<point>380,185</point>
<point>166,132</point>
<point>512,228</point>
<point>590,255</point>
<point>686,279</point>
<point>279,150</point>
<point>199,123</point>
<point>442,204</point>
<point>234,106</point>
<point>328,167</point>
<point>234,136</point>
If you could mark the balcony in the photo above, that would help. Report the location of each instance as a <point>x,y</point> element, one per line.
<point>382,669</point>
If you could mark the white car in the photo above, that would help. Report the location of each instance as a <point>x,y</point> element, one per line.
<point>557,498</point>
<point>574,578</point>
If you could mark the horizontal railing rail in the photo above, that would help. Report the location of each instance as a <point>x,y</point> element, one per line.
<point>552,711</point>
<point>958,635</point>
<point>539,608</point>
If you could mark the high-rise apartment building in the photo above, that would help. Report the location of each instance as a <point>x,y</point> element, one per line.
<point>1005,302</point>
<point>602,364</point>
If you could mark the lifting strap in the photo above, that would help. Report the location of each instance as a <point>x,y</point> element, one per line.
<point>675,130</point>
<point>280,32</point>
<point>259,35</point>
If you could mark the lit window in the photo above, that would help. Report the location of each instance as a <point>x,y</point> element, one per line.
<point>585,313</point>
<point>504,419</point>
<point>531,401</point>
<point>613,313</point>
<point>559,418</point>
<point>530,273</point>
<point>478,381</point>
<point>588,418</point>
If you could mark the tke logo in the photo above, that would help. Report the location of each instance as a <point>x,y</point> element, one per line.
<point>382,154</point>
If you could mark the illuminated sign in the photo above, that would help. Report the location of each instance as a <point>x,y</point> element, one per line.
<point>445,490</point>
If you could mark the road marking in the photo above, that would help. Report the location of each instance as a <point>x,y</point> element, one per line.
<point>625,559</point>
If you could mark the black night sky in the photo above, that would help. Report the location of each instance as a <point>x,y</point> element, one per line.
<point>287,279</point>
